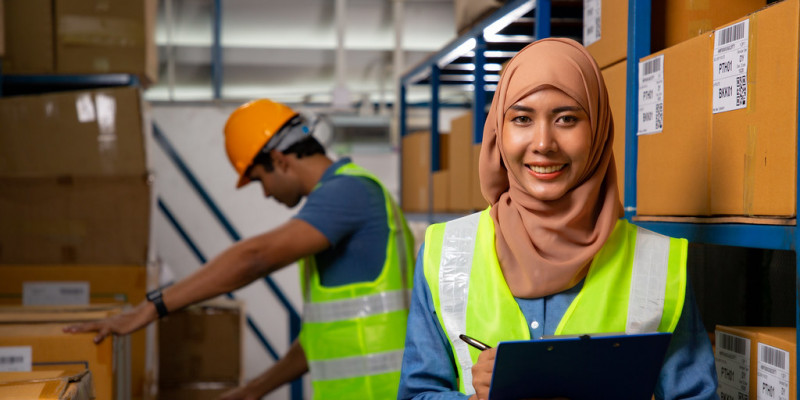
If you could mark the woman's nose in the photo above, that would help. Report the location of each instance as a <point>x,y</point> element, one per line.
<point>543,139</point>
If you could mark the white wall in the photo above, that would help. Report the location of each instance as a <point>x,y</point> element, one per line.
<point>196,134</point>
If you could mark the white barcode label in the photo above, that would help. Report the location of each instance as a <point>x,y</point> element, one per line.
<point>730,67</point>
<point>773,373</point>
<point>651,96</point>
<point>55,293</point>
<point>15,358</point>
<point>591,21</point>
<point>733,366</point>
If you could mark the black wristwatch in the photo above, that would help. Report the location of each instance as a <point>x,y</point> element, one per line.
<point>155,298</point>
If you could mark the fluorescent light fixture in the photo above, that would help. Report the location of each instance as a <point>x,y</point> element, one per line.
<point>490,32</point>
<point>491,67</point>
<point>458,51</point>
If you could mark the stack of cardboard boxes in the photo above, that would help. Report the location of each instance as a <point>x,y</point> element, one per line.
<point>75,205</point>
<point>80,37</point>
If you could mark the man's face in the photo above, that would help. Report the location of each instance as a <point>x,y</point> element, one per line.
<point>279,183</point>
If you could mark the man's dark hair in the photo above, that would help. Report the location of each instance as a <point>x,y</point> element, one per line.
<point>308,146</point>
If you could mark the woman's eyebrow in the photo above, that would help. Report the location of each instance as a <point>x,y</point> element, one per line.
<point>566,108</point>
<point>518,107</point>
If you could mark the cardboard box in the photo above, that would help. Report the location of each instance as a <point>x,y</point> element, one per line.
<point>672,170</point>
<point>202,343</point>
<point>77,220</point>
<point>468,12</point>
<point>756,362</point>
<point>2,30</point>
<point>416,169</point>
<point>676,21</point>
<point>108,285</point>
<point>478,202</point>
<point>56,382</point>
<point>753,150</point>
<point>460,163</point>
<point>91,132</point>
<point>673,22</point>
<point>441,193</point>
<point>616,85</point>
<point>196,391</point>
<point>94,37</point>
<point>108,361</point>
<point>29,37</point>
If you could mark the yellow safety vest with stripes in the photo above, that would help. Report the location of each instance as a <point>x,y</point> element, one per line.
<point>353,335</point>
<point>635,284</point>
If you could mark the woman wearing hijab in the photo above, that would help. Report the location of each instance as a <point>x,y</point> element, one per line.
<point>551,255</point>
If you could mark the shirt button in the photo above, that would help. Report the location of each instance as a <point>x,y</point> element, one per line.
<point>534,324</point>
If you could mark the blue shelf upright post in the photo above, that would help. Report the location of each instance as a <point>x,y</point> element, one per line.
<point>638,47</point>
<point>435,75</point>
<point>542,26</point>
<point>479,91</point>
<point>216,51</point>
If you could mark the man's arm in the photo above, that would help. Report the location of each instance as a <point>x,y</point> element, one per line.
<point>235,267</point>
<point>290,367</point>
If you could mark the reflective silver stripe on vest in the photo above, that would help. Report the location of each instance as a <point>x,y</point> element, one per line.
<point>648,282</point>
<point>358,307</point>
<point>454,270</point>
<point>352,367</point>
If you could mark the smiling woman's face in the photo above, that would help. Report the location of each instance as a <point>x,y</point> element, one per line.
<point>546,140</point>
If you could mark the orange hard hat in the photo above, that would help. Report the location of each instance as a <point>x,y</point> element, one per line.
<point>249,128</point>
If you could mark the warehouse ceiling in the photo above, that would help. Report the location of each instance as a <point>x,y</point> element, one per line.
<point>287,49</point>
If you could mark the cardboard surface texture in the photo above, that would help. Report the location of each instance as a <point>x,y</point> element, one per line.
<point>460,163</point>
<point>109,361</point>
<point>29,46</point>
<point>616,85</point>
<point>672,175</point>
<point>478,202</point>
<point>416,169</point>
<point>201,343</point>
<point>90,132</point>
<point>441,195</point>
<point>612,46</point>
<point>200,391</point>
<point>753,150</point>
<point>54,383</point>
<point>676,21</point>
<point>2,30</point>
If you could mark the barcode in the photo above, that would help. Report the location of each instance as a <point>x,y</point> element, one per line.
<point>11,359</point>
<point>774,357</point>
<point>741,90</point>
<point>731,33</point>
<point>652,66</point>
<point>733,343</point>
<point>659,116</point>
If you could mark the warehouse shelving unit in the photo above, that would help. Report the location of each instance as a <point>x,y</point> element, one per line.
<point>769,237</point>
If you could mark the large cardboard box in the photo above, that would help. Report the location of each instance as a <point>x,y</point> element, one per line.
<point>202,343</point>
<point>2,31</point>
<point>672,22</point>
<point>467,12</point>
<point>91,132</point>
<point>756,362</point>
<point>676,21</point>
<point>109,361</point>
<point>672,170</point>
<point>476,197</point>
<point>51,382</point>
<point>753,149</point>
<point>108,285</point>
<point>195,391</point>
<point>416,169</point>
<point>51,220</point>
<point>94,37</point>
<point>441,194</point>
<point>616,85</point>
<point>460,163</point>
<point>29,37</point>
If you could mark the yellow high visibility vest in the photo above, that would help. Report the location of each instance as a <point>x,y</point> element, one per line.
<point>353,335</point>
<point>635,284</point>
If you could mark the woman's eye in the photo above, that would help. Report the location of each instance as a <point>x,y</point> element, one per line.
<point>521,119</point>
<point>567,119</point>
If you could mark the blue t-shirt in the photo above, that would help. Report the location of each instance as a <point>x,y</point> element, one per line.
<point>351,212</point>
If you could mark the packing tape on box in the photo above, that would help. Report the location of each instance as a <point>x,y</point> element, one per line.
<point>82,30</point>
<point>750,164</point>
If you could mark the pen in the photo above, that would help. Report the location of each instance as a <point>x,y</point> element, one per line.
<point>474,342</point>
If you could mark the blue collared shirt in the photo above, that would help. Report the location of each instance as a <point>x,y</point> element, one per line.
<point>429,371</point>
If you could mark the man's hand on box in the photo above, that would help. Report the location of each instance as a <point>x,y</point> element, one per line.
<point>121,324</point>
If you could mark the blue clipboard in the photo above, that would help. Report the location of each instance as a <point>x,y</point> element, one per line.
<point>614,366</point>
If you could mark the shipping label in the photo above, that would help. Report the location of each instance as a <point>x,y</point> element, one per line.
<point>730,67</point>
<point>773,373</point>
<point>15,358</point>
<point>591,21</point>
<point>733,366</point>
<point>651,96</point>
<point>55,293</point>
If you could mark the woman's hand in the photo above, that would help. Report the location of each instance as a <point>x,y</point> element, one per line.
<point>121,324</point>
<point>482,373</point>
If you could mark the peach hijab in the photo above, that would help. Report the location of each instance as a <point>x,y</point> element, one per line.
<point>545,247</point>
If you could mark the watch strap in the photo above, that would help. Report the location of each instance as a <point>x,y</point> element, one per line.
<point>156,298</point>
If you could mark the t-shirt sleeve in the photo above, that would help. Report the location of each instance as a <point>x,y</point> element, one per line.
<point>339,206</point>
